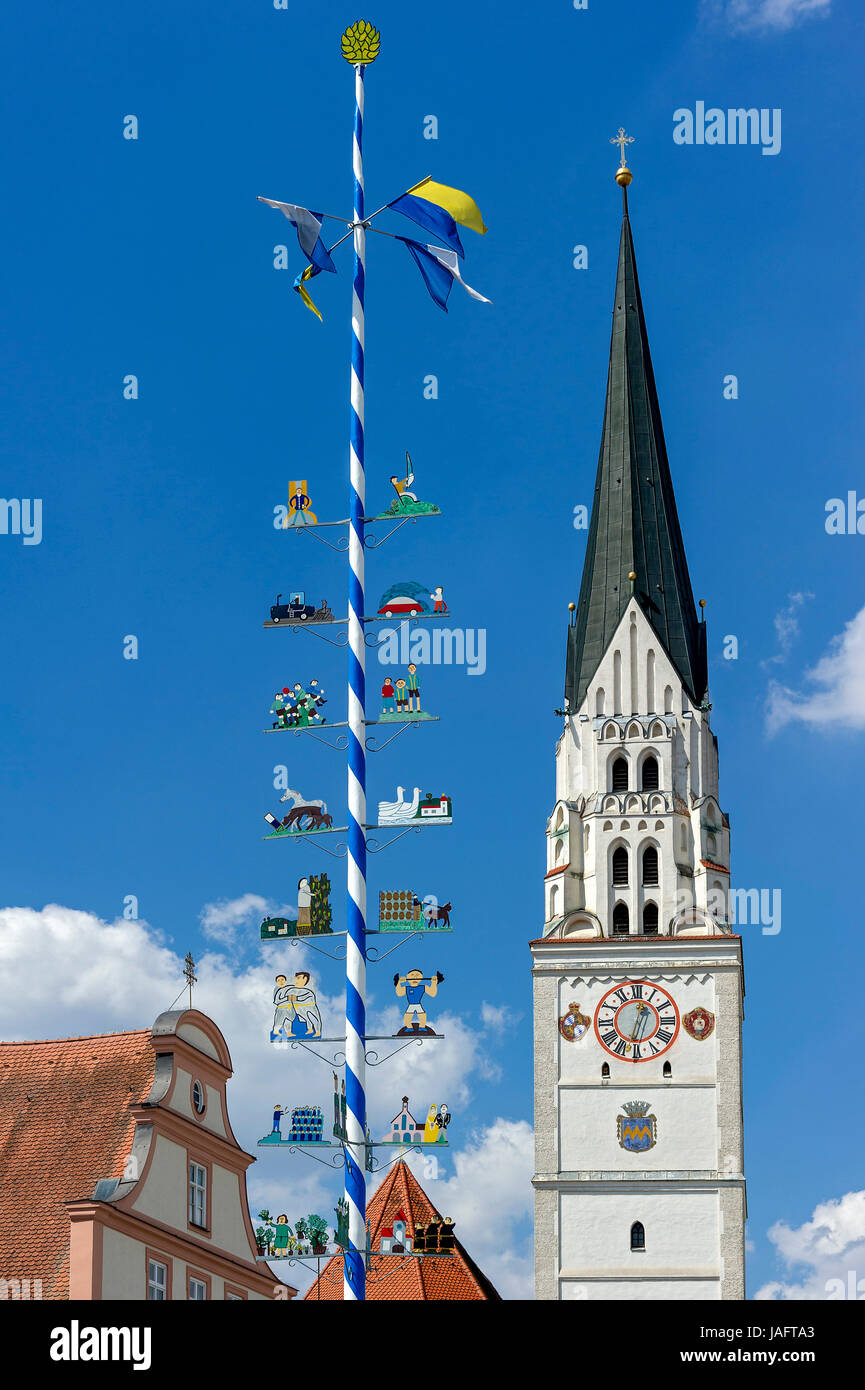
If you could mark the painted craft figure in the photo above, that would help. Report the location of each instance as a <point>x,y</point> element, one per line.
<point>406,502</point>
<point>297,610</point>
<point>402,910</point>
<point>296,1012</point>
<point>314,913</point>
<point>437,1121</point>
<point>340,1129</point>
<point>305,815</point>
<point>405,599</point>
<point>299,513</point>
<point>297,708</point>
<point>424,808</point>
<point>401,697</point>
<point>414,987</point>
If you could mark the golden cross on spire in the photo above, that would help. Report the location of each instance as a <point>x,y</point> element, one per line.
<point>622,140</point>
<point>189,974</point>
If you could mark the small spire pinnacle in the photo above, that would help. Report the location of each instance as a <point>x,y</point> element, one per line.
<point>623,173</point>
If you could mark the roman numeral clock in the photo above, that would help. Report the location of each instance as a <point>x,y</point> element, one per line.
<point>636,1021</point>
<point>637,974</point>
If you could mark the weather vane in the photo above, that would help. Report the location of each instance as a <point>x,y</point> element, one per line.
<point>189,974</point>
<point>622,140</point>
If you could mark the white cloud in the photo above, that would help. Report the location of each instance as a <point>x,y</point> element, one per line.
<point>498,1016</point>
<point>67,973</point>
<point>825,1256</point>
<point>787,627</point>
<point>748,16</point>
<point>220,921</point>
<point>839,677</point>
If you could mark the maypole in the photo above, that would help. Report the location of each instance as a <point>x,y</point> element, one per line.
<point>359,42</point>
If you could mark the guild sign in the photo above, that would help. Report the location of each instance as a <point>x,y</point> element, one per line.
<point>573,1025</point>
<point>637,1130</point>
<point>699,1023</point>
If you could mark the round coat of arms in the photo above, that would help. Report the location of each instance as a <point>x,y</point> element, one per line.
<point>699,1023</point>
<point>573,1025</point>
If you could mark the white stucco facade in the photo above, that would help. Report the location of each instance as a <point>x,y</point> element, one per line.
<point>664,1220</point>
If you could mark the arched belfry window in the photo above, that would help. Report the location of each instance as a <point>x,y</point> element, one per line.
<point>605,1070</point>
<point>668,1069</point>
<point>650,781</point>
<point>638,1236</point>
<point>650,919</point>
<point>650,866</point>
<point>620,775</point>
<point>620,866</point>
<point>621,920</point>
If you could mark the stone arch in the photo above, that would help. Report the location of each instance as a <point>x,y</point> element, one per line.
<point>608,825</point>
<point>659,730</point>
<point>650,681</point>
<point>643,825</point>
<point>659,825</point>
<point>618,771</point>
<point>599,700</point>
<point>668,699</point>
<point>554,902</point>
<point>634,730</point>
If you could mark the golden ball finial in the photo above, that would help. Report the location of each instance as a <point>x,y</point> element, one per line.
<point>702,603</point>
<point>623,176</point>
<point>361,43</point>
<point>631,576</point>
<point>571,607</point>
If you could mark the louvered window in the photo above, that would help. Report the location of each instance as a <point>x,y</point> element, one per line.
<point>620,775</point>
<point>620,866</point>
<point>621,920</point>
<point>650,866</point>
<point>650,775</point>
<point>650,919</point>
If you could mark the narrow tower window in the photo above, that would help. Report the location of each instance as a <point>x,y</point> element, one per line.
<point>605,1071</point>
<point>650,919</point>
<point>668,1069</point>
<point>620,866</point>
<point>599,700</point>
<point>620,775</point>
<point>638,1236</point>
<point>650,775</point>
<point>621,920</point>
<point>650,866</point>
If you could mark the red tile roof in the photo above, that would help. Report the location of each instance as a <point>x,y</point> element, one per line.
<point>64,1124</point>
<point>455,1279</point>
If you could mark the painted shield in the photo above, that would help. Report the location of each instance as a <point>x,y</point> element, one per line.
<point>699,1023</point>
<point>637,1130</point>
<point>573,1025</point>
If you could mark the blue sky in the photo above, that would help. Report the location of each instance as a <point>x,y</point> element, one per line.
<point>152,257</point>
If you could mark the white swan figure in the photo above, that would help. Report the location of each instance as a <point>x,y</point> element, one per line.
<point>398,812</point>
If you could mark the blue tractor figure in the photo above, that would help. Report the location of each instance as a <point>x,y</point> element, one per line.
<point>296,610</point>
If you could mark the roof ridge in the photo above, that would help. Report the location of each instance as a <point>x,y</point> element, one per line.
<point>81,1037</point>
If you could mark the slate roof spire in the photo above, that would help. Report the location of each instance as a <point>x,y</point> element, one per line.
<point>634,526</point>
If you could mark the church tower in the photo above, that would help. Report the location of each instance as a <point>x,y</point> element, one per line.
<point>638,986</point>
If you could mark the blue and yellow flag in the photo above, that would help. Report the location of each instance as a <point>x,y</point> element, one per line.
<point>438,209</point>
<point>300,286</point>
<point>439,269</point>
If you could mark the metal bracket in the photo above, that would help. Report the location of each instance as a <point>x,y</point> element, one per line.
<point>331,1061</point>
<point>406,724</point>
<point>307,941</point>
<point>342,543</point>
<point>372,1057</point>
<point>373,845</point>
<point>339,853</point>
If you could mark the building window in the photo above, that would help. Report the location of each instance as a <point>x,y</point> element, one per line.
<point>620,866</point>
<point>650,919</point>
<point>668,1069</point>
<point>197,1195</point>
<point>197,1288</point>
<point>605,1071</point>
<point>650,775</point>
<point>621,920</point>
<point>650,866</point>
<point>199,1098</point>
<point>233,1298</point>
<point>620,775</point>
<point>638,1236</point>
<point>157,1281</point>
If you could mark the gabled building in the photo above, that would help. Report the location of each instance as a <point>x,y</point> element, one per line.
<point>120,1177</point>
<point>638,987</point>
<point>395,1213</point>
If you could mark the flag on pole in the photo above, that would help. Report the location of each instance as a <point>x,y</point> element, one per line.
<point>439,269</point>
<point>308,226</point>
<point>438,209</point>
<point>300,286</point>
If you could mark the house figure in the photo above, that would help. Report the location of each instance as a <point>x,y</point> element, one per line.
<point>120,1174</point>
<point>396,1212</point>
<point>404,1128</point>
<point>394,1239</point>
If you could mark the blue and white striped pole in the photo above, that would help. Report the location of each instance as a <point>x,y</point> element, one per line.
<point>355,958</point>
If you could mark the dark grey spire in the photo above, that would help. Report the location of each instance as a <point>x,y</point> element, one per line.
<point>634,526</point>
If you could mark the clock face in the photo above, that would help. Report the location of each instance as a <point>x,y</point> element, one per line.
<point>636,1021</point>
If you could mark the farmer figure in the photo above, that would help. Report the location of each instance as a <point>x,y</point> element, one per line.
<point>281,1234</point>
